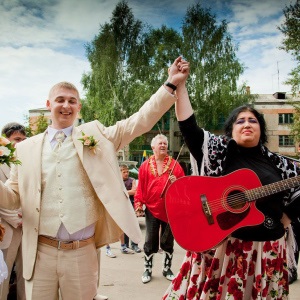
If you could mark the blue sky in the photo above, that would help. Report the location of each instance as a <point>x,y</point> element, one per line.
<point>42,43</point>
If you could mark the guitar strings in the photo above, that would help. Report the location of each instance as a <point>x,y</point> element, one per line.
<point>235,199</point>
<point>248,196</point>
<point>242,197</point>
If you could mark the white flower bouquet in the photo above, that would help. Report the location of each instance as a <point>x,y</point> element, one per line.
<point>7,150</point>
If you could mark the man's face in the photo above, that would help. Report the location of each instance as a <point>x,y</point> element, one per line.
<point>16,138</point>
<point>64,105</point>
<point>125,174</point>
<point>160,148</point>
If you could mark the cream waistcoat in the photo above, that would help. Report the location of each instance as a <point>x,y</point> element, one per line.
<point>67,194</point>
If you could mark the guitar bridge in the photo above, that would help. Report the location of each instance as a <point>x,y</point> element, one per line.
<point>206,209</point>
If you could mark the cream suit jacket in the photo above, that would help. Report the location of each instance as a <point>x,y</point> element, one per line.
<point>102,169</point>
<point>4,175</point>
<point>4,172</point>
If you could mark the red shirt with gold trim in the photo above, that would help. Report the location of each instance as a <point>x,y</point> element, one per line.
<point>151,185</point>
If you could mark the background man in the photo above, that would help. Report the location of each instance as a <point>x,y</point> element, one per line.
<point>130,185</point>
<point>154,173</point>
<point>69,207</point>
<point>12,221</point>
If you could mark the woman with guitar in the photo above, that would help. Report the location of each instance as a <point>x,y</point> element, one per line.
<point>236,242</point>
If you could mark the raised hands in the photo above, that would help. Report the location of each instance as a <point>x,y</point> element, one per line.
<point>178,71</point>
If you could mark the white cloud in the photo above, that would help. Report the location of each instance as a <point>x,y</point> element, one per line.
<point>255,27</point>
<point>267,74</point>
<point>254,12</point>
<point>81,20</point>
<point>50,23</point>
<point>28,74</point>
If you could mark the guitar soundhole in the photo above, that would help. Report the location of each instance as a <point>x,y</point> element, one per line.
<point>236,200</point>
<point>237,209</point>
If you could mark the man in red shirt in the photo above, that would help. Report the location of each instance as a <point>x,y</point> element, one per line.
<point>154,174</point>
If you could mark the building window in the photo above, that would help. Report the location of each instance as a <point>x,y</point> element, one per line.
<point>286,140</point>
<point>285,118</point>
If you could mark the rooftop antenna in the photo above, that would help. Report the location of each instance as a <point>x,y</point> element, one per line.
<point>278,73</point>
<point>273,83</point>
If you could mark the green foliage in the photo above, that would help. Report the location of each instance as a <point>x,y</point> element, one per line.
<point>294,80</point>
<point>28,129</point>
<point>295,126</point>
<point>215,68</point>
<point>162,46</point>
<point>129,61</point>
<point>291,29</point>
<point>112,92</point>
<point>7,155</point>
<point>40,125</point>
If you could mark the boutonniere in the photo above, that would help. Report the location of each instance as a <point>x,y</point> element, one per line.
<point>89,141</point>
<point>7,150</point>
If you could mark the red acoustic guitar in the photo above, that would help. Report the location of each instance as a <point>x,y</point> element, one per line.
<point>203,211</point>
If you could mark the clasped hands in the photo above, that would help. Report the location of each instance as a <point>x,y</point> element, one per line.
<point>178,71</point>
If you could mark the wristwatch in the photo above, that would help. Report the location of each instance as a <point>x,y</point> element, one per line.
<point>171,85</point>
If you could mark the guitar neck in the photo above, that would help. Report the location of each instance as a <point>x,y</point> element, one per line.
<point>272,188</point>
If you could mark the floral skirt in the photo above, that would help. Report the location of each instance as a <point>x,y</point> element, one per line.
<point>236,270</point>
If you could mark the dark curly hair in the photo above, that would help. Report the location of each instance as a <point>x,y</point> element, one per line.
<point>233,117</point>
<point>13,127</point>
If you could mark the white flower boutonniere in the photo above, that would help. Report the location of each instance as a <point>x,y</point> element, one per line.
<point>7,150</point>
<point>89,141</point>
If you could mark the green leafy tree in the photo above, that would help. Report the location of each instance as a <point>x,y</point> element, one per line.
<point>126,61</point>
<point>291,31</point>
<point>161,46</point>
<point>112,94</point>
<point>215,68</point>
<point>129,61</point>
<point>28,128</point>
<point>36,127</point>
<point>294,80</point>
<point>295,126</point>
<point>41,124</point>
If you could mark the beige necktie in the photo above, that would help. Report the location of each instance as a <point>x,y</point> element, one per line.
<point>60,137</point>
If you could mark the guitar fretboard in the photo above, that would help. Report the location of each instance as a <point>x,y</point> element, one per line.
<point>272,188</point>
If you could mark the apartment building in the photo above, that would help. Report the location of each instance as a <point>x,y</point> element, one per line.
<point>278,112</point>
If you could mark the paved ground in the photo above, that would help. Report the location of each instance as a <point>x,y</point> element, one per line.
<point>121,276</point>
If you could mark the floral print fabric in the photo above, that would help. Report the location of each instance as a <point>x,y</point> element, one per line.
<point>237,270</point>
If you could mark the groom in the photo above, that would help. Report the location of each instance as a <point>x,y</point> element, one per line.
<point>72,194</point>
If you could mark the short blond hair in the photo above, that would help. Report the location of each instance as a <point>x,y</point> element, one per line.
<point>65,85</point>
